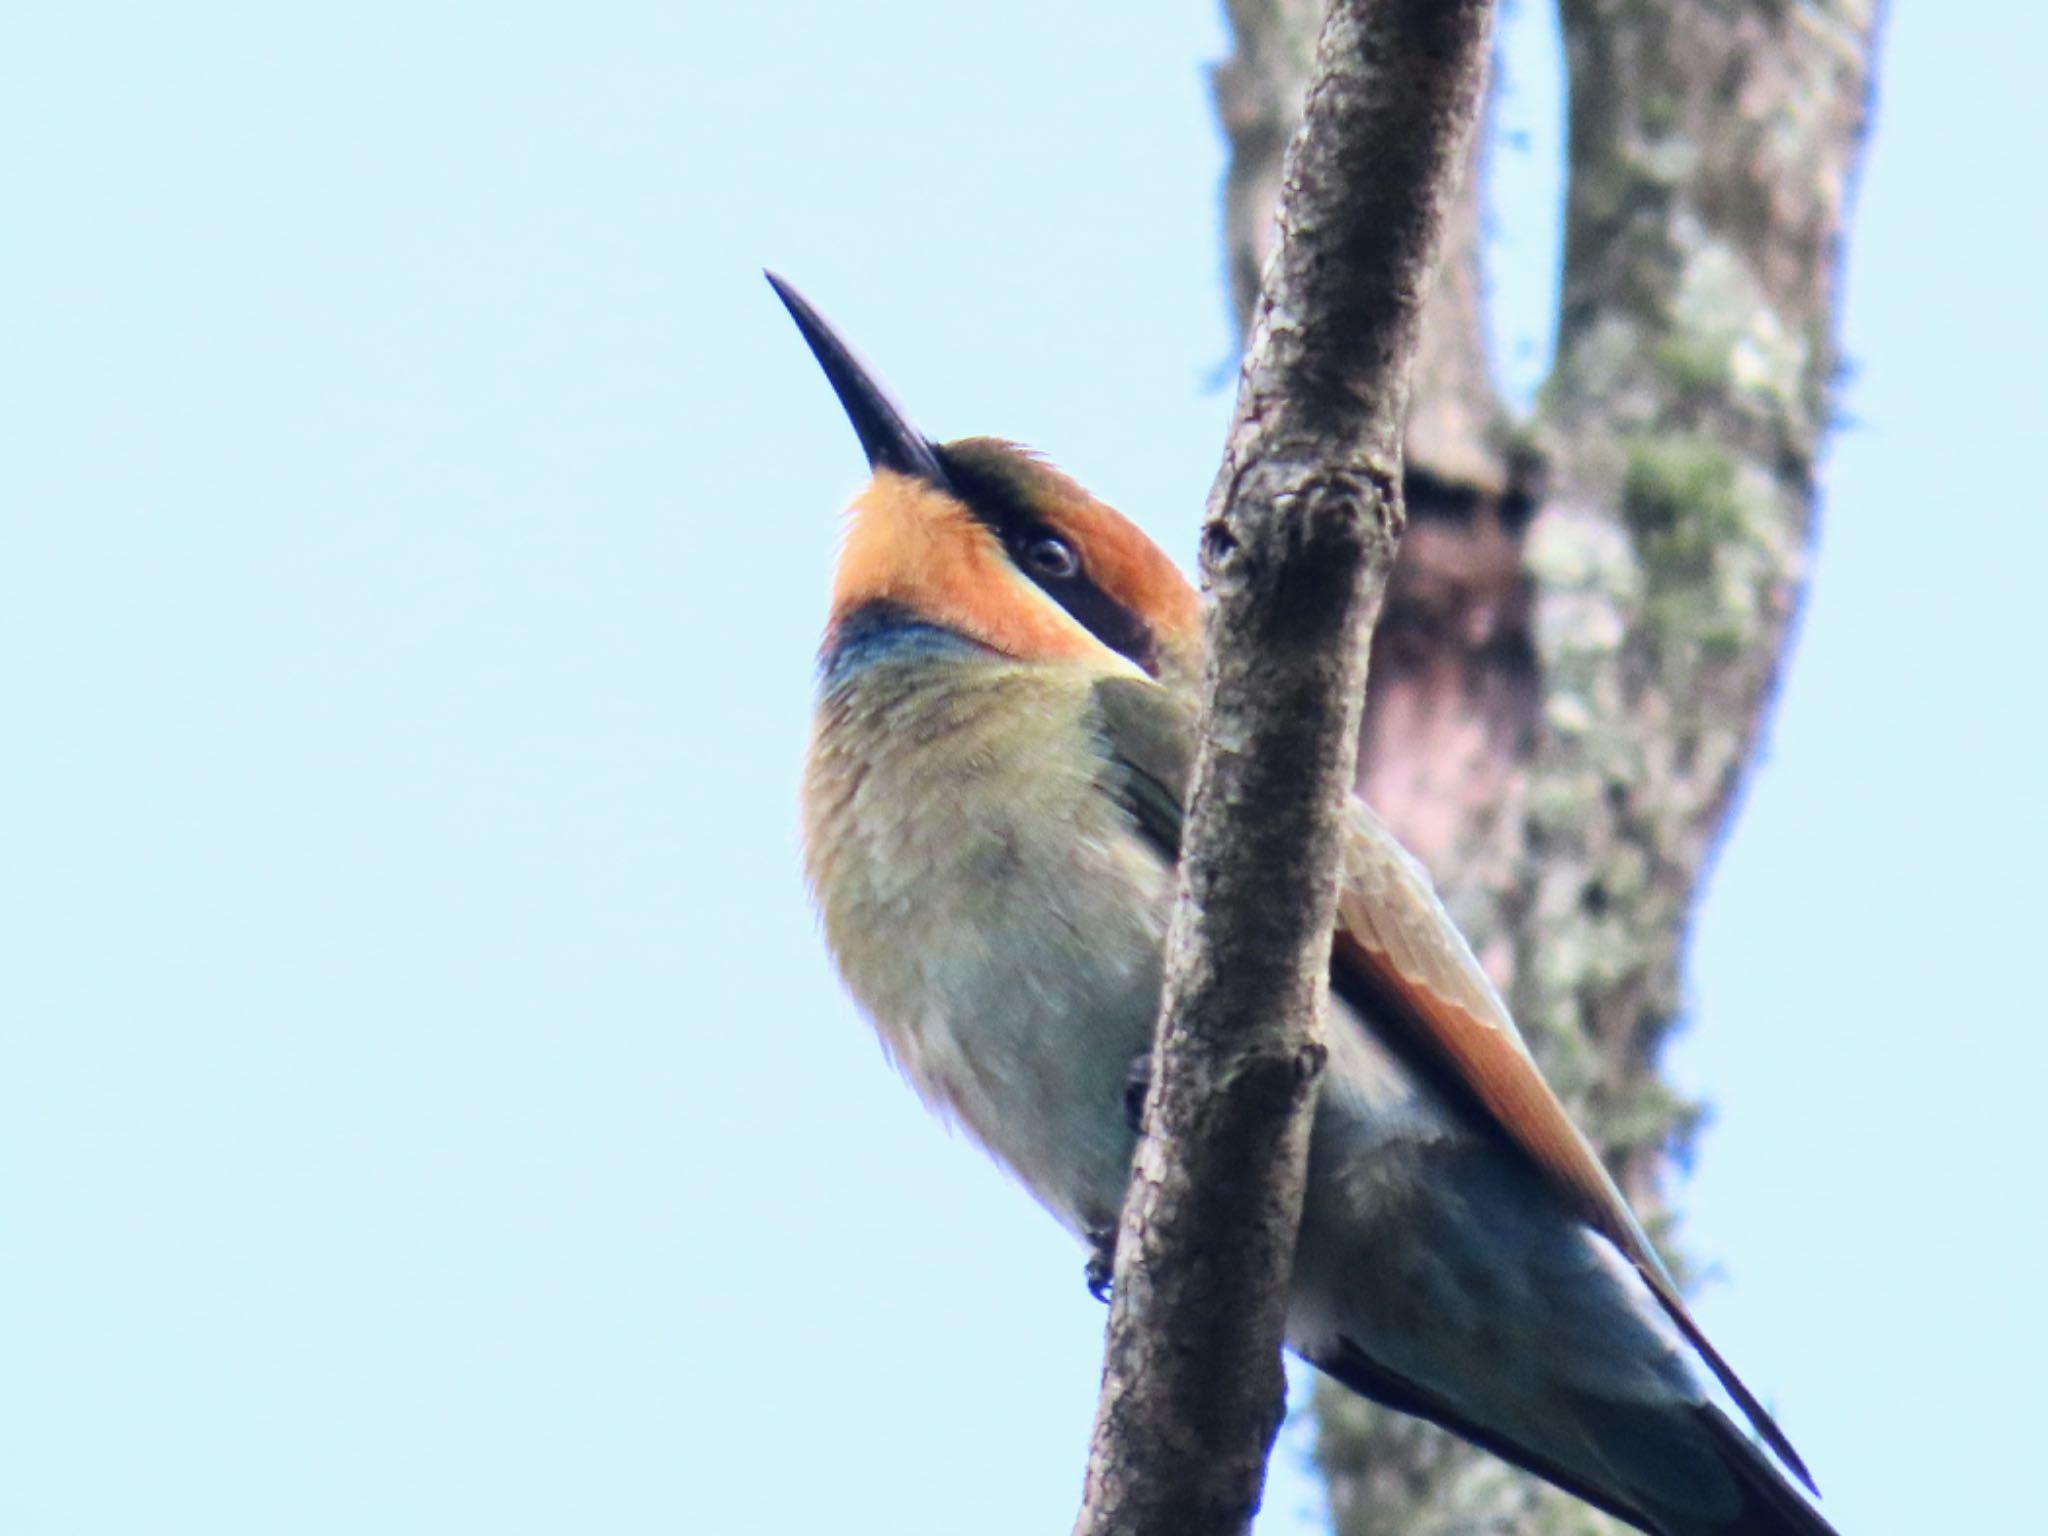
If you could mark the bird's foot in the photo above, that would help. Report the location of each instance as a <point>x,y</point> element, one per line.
<point>1102,1238</point>
<point>1101,1261</point>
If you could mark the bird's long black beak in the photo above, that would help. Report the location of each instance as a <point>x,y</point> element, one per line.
<point>885,432</point>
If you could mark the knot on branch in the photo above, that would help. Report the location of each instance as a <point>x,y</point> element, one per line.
<point>1288,555</point>
<point>1333,508</point>
<point>1305,502</point>
<point>1219,545</point>
<point>1275,1084</point>
<point>1286,509</point>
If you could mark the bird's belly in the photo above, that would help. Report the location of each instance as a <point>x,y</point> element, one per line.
<point>1006,944</point>
<point>1026,1035</point>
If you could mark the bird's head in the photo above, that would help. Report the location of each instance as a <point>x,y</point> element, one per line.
<point>986,539</point>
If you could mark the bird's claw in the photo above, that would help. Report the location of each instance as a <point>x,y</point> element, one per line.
<point>1101,1262</point>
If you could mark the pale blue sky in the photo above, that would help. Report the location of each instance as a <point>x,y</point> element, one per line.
<point>424,1103</point>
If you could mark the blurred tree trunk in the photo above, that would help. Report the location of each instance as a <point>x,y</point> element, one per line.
<point>1590,608</point>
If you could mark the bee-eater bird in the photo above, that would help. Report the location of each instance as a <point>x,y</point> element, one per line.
<point>992,811</point>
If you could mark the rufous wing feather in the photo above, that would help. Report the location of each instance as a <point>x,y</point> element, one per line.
<point>1401,947</point>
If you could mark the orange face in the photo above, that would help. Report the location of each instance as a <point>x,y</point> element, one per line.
<point>1015,555</point>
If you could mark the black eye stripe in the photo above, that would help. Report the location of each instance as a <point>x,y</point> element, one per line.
<point>1107,620</point>
<point>1000,503</point>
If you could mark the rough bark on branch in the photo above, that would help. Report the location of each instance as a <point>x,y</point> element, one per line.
<point>1455,422</point>
<point>1301,531</point>
<point>1571,670</point>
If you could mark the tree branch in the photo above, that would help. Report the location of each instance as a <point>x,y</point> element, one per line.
<point>1302,527</point>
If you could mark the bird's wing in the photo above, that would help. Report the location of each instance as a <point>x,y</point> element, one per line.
<point>1148,737</point>
<point>1398,954</point>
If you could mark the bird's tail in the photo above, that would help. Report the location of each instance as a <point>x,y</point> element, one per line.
<point>1669,1448</point>
<point>1771,1506</point>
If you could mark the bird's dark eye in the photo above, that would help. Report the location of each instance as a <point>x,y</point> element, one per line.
<point>1047,555</point>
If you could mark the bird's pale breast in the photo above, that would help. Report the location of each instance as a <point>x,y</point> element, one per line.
<point>986,900</point>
